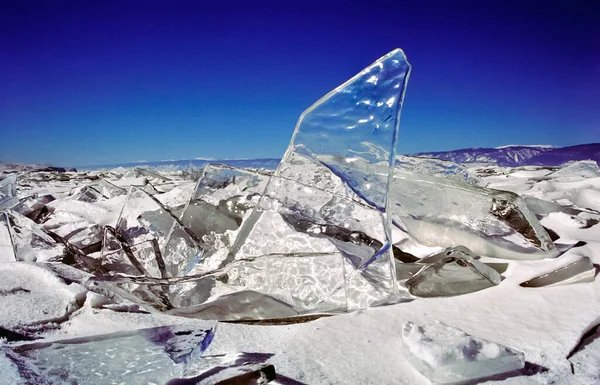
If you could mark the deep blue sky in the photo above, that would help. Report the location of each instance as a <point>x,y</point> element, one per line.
<point>93,82</point>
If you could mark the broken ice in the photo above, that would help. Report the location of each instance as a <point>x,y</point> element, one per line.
<point>153,355</point>
<point>28,241</point>
<point>8,192</point>
<point>439,211</point>
<point>447,355</point>
<point>313,237</point>
<point>451,272</point>
<point>143,219</point>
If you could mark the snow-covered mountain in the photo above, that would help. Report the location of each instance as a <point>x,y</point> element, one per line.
<point>505,156</point>
<point>518,155</point>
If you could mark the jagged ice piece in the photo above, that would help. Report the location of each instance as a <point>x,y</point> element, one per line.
<point>8,192</point>
<point>445,212</point>
<point>452,272</point>
<point>582,270</point>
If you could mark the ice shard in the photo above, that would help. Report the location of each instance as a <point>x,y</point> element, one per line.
<point>8,192</point>
<point>34,207</point>
<point>452,272</point>
<point>328,197</point>
<point>87,194</point>
<point>137,172</point>
<point>143,219</point>
<point>446,355</point>
<point>87,239</point>
<point>579,271</point>
<point>445,212</point>
<point>29,241</point>
<point>223,198</point>
<point>314,237</point>
<point>154,355</point>
<point>107,189</point>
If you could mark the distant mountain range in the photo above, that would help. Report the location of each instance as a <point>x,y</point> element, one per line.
<point>511,156</point>
<point>517,155</point>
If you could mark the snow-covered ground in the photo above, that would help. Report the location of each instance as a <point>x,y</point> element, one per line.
<point>554,327</point>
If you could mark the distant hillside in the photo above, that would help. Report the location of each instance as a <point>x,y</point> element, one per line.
<point>517,155</point>
<point>510,156</point>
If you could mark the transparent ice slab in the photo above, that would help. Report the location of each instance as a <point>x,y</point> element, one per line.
<point>34,207</point>
<point>142,219</point>
<point>452,272</point>
<point>28,240</point>
<point>145,356</point>
<point>87,194</point>
<point>446,355</point>
<point>8,192</point>
<point>580,271</point>
<point>446,212</point>
<point>87,239</point>
<point>107,189</point>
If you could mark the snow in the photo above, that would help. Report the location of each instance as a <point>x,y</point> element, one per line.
<point>365,346</point>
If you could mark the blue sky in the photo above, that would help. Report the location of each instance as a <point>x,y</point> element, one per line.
<point>96,82</point>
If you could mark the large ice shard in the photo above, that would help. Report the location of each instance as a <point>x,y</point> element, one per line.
<point>446,355</point>
<point>29,241</point>
<point>451,272</point>
<point>148,356</point>
<point>330,190</point>
<point>144,219</point>
<point>445,212</point>
<point>8,192</point>
<point>313,237</point>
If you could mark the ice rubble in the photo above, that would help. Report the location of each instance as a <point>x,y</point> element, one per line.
<point>315,236</point>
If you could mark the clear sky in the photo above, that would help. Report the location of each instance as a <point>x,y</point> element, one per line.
<point>96,82</point>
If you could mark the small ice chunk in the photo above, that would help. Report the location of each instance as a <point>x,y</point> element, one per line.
<point>579,271</point>
<point>447,355</point>
<point>454,271</point>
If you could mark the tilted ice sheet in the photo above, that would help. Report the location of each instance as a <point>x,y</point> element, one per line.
<point>445,212</point>
<point>8,192</point>
<point>29,241</point>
